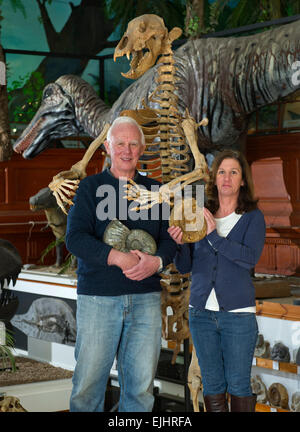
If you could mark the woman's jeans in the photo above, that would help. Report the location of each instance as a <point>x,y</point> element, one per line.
<point>224,343</point>
<point>127,327</point>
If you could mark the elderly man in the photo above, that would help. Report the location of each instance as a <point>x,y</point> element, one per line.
<point>118,305</point>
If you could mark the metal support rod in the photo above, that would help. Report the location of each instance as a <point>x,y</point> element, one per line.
<point>186,354</point>
<point>101,78</point>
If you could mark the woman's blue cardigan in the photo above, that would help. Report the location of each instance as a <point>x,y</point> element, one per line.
<point>224,263</point>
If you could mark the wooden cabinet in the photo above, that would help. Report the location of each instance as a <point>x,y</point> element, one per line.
<point>275,164</point>
<point>19,180</point>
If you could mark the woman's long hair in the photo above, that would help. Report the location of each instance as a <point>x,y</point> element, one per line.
<point>246,199</point>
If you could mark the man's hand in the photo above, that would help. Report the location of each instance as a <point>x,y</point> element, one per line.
<point>147,266</point>
<point>124,260</point>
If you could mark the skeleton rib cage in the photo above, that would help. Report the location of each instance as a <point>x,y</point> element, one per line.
<point>173,155</point>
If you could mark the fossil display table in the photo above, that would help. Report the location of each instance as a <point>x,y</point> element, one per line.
<point>45,396</point>
<point>46,281</point>
<point>54,395</point>
<point>35,284</point>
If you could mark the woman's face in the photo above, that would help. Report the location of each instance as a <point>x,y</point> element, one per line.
<point>229,178</point>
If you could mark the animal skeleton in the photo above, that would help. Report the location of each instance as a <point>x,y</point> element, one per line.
<point>149,32</point>
<point>10,404</point>
<point>177,138</point>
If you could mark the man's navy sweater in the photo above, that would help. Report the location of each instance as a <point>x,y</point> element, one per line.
<point>224,263</point>
<point>85,231</point>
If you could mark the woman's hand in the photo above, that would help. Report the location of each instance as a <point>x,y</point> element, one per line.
<point>176,234</point>
<point>210,221</point>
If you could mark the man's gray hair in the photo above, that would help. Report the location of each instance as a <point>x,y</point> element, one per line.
<point>128,120</point>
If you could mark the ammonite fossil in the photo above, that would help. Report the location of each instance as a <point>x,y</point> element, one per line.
<point>141,240</point>
<point>116,234</point>
<point>190,218</point>
<point>123,239</point>
<point>262,347</point>
<point>280,352</point>
<point>278,396</point>
<point>259,388</point>
<point>295,404</point>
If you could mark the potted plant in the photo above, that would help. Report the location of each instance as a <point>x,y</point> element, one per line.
<point>6,350</point>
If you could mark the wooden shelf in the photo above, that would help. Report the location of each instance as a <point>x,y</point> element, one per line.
<point>278,310</point>
<point>275,365</point>
<point>267,408</point>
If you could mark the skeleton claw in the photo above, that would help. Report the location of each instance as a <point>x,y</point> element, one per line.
<point>60,203</point>
<point>147,199</point>
<point>63,188</point>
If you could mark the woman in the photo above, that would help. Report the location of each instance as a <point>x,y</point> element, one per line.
<point>222,302</point>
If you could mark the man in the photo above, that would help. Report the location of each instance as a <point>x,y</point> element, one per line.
<point>118,305</point>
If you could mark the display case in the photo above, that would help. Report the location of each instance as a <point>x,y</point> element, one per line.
<point>276,364</point>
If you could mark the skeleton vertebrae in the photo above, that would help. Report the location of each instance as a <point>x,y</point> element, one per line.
<point>173,147</point>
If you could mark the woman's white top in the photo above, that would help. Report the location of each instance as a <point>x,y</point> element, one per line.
<point>224,226</point>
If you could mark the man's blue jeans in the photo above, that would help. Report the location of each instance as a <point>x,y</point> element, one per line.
<point>224,343</point>
<point>127,327</point>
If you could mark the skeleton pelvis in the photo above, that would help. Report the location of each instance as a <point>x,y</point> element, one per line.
<point>189,217</point>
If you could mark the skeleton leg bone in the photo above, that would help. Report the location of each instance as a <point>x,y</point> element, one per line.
<point>194,380</point>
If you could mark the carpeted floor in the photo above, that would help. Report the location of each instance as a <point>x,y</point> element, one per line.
<point>30,371</point>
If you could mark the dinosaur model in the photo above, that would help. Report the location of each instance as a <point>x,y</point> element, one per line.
<point>10,262</point>
<point>57,220</point>
<point>223,79</point>
<point>10,267</point>
<point>70,106</point>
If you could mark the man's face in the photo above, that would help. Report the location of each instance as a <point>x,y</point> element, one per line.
<point>125,149</point>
